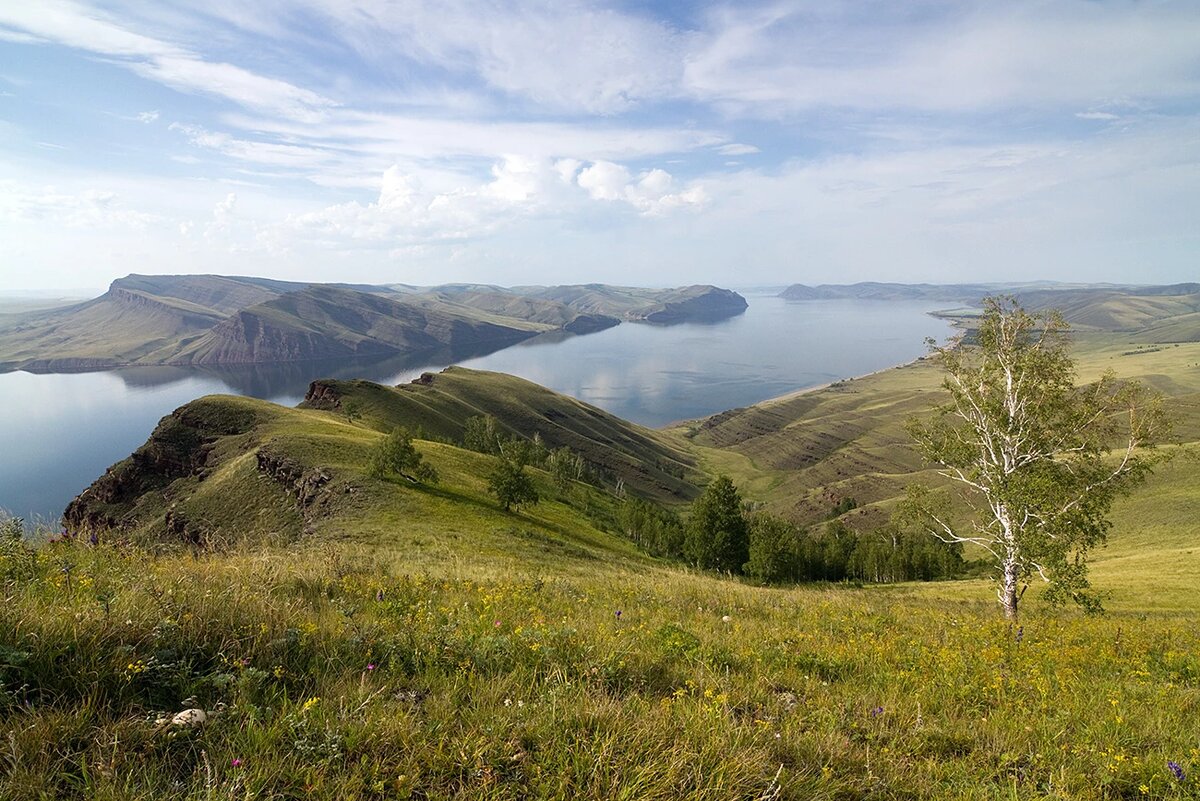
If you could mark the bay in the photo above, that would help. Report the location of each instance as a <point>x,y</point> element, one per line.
<point>59,432</point>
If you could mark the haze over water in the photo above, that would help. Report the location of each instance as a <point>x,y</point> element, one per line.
<point>69,428</point>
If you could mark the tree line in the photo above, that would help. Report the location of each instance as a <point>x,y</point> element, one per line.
<point>721,533</point>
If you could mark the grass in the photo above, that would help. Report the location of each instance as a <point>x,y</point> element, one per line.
<point>338,671</point>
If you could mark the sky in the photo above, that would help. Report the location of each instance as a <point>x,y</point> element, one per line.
<point>646,143</point>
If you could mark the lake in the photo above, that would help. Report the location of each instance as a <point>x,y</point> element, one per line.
<point>59,432</point>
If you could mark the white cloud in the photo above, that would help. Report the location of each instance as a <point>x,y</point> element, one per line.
<point>784,59</point>
<point>651,193</point>
<point>560,54</point>
<point>74,25</point>
<point>147,117</point>
<point>1097,115</point>
<point>83,208</point>
<point>737,149</point>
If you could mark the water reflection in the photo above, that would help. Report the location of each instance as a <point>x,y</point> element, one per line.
<point>284,382</point>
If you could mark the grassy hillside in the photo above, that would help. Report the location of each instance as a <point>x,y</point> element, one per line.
<point>333,671</point>
<point>224,471</point>
<point>649,462</point>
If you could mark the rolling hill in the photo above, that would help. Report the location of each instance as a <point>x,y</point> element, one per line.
<point>223,464</point>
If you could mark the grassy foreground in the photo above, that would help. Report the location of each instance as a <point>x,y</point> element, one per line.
<point>335,672</point>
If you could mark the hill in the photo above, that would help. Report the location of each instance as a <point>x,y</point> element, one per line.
<point>320,322</point>
<point>875,290</point>
<point>649,463</point>
<point>210,319</point>
<point>224,464</point>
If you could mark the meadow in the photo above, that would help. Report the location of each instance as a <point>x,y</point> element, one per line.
<point>342,672</point>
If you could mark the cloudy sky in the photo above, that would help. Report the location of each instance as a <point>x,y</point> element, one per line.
<point>637,142</point>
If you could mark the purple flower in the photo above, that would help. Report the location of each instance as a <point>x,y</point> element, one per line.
<point>618,614</point>
<point>371,666</point>
<point>1020,634</point>
<point>1176,770</point>
<point>877,711</point>
<point>237,763</point>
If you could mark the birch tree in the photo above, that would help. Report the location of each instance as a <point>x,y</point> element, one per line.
<point>1039,460</point>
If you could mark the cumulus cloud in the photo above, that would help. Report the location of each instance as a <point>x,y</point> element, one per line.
<point>652,193</point>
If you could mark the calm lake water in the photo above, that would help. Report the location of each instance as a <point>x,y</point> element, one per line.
<point>59,432</point>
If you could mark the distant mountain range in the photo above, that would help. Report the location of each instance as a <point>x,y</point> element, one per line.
<point>230,320</point>
<point>1158,313</point>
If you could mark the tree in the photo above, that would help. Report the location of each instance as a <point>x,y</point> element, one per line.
<point>565,466</point>
<point>774,550</point>
<point>397,454</point>
<point>481,434</point>
<point>1040,461</point>
<point>511,485</point>
<point>717,535</point>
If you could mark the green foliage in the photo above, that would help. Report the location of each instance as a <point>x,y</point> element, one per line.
<point>1032,451</point>
<point>18,560</point>
<point>565,466</point>
<point>780,552</point>
<point>511,485</point>
<point>397,454</point>
<point>717,536</point>
<point>842,506</point>
<point>655,530</point>
<point>774,550</point>
<point>482,434</point>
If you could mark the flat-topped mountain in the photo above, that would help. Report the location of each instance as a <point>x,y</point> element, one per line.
<point>211,320</point>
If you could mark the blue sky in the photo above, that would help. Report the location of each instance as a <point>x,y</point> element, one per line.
<point>635,142</point>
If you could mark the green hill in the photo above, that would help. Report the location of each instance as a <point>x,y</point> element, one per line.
<point>649,462</point>
<point>224,467</point>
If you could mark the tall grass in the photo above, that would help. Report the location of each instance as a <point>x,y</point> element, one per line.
<point>334,672</point>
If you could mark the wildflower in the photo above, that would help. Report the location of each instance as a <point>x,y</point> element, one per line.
<point>497,624</point>
<point>1176,771</point>
<point>371,666</point>
<point>1020,634</point>
<point>618,614</point>
<point>1144,790</point>
<point>726,619</point>
<point>235,762</point>
<point>877,711</point>
<point>309,704</point>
